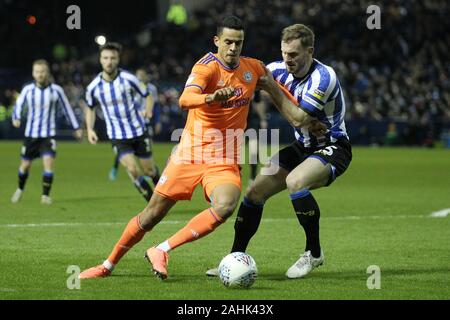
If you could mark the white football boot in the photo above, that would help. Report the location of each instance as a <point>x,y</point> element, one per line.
<point>46,200</point>
<point>305,265</point>
<point>17,196</point>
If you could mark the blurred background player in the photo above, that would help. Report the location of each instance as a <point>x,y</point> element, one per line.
<point>116,90</point>
<point>153,124</point>
<point>41,98</point>
<point>312,161</point>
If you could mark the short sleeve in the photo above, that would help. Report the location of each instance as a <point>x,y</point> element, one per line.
<point>199,77</point>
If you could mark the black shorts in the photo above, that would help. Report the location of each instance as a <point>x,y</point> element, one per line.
<point>338,154</point>
<point>140,146</point>
<point>33,148</point>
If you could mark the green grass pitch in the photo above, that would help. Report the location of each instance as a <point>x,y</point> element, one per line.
<point>376,214</point>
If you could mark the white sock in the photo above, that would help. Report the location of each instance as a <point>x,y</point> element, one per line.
<point>108,265</point>
<point>164,246</point>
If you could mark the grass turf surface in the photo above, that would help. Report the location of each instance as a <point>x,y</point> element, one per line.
<point>376,214</point>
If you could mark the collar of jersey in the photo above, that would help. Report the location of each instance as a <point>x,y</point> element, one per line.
<point>42,88</point>
<point>311,69</point>
<point>224,66</point>
<point>118,75</point>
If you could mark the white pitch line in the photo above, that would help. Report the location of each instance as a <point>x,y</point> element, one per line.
<point>107,224</point>
<point>441,213</point>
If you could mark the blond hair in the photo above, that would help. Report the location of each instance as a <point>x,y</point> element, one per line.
<point>299,31</point>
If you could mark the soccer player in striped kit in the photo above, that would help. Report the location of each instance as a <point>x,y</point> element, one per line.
<point>41,97</point>
<point>153,125</point>
<point>116,91</point>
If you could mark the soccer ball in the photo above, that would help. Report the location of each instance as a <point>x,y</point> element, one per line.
<point>238,269</point>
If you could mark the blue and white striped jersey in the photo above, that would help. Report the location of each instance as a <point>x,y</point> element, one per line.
<point>119,103</point>
<point>41,106</point>
<point>320,95</point>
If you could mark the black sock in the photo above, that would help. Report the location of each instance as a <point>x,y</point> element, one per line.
<point>156,177</point>
<point>23,176</point>
<point>253,171</point>
<point>143,187</point>
<point>47,180</point>
<point>308,214</point>
<point>246,224</point>
<point>116,162</point>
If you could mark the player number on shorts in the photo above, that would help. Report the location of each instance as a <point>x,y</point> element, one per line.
<point>147,145</point>
<point>328,151</point>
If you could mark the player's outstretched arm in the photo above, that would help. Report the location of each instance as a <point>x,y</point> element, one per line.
<point>293,114</point>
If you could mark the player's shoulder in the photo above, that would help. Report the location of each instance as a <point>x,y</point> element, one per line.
<point>128,75</point>
<point>29,85</point>
<point>207,60</point>
<point>94,83</point>
<point>322,71</point>
<point>276,65</point>
<point>56,87</point>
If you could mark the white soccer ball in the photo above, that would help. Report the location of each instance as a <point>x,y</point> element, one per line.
<point>238,269</point>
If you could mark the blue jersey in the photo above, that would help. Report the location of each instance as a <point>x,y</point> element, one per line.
<point>119,103</point>
<point>320,95</point>
<point>41,106</point>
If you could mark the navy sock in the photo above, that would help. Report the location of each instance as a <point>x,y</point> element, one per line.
<point>144,188</point>
<point>23,176</point>
<point>308,214</point>
<point>246,224</point>
<point>47,180</point>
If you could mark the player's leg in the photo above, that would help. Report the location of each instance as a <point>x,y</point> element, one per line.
<point>318,170</point>
<point>145,154</point>
<point>115,168</point>
<point>48,154</point>
<point>150,169</point>
<point>24,169</point>
<point>48,161</point>
<point>128,160</point>
<point>179,184</point>
<point>135,230</point>
<point>29,151</point>
<point>250,211</point>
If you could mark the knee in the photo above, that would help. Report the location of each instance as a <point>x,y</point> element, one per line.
<point>295,183</point>
<point>225,207</point>
<point>255,196</point>
<point>132,170</point>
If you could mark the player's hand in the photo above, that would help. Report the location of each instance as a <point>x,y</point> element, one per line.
<point>78,134</point>
<point>317,128</point>
<point>16,123</point>
<point>92,137</point>
<point>147,114</point>
<point>266,82</point>
<point>158,128</point>
<point>220,95</point>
